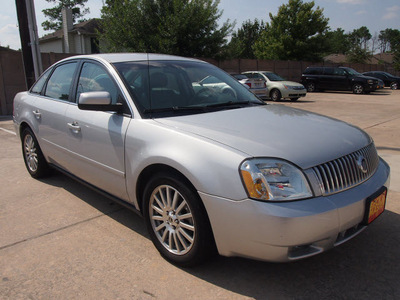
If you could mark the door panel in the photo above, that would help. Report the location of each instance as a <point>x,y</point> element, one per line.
<point>49,112</point>
<point>96,143</point>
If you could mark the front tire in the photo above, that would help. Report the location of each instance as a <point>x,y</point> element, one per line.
<point>394,86</point>
<point>177,221</point>
<point>311,87</point>
<point>358,88</point>
<point>275,95</point>
<point>34,160</point>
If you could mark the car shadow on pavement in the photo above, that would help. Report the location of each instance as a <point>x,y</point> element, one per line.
<point>365,267</point>
<point>103,204</point>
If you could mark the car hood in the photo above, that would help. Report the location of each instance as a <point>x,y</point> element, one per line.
<point>290,83</point>
<point>367,77</point>
<point>304,138</point>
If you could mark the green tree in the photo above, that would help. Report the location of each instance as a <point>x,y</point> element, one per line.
<point>54,14</point>
<point>358,54</point>
<point>180,27</point>
<point>337,41</point>
<point>295,33</point>
<point>243,40</point>
<point>358,39</point>
<point>389,39</point>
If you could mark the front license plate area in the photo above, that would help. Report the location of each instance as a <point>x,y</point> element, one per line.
<point>375,206</point>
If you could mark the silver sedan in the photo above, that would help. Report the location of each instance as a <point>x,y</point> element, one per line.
<point>210,171</point>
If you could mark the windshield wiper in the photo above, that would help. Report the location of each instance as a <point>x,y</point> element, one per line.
<point>231,104</point>
<point>174,109</point>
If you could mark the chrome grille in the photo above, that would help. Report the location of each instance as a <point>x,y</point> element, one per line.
<point>347,171</point>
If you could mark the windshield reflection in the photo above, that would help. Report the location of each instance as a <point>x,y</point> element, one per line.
<point>169,87</point>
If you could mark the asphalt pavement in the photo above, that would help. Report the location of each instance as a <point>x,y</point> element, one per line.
<point>61,240</point>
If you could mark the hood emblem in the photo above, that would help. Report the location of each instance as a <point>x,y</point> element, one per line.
<point>362,164</point>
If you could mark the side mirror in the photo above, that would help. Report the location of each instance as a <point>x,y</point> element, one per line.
<point>98,101</point>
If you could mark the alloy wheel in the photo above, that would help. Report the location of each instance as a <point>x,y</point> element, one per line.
<point>30,151</point>
<point>172,220</point>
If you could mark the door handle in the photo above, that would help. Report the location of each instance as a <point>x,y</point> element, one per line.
<point>74,126</point>
<point>37,114</point>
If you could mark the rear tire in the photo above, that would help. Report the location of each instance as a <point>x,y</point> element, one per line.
<point>34,160</point>
<point>177,221</point>
<point>394,86</point>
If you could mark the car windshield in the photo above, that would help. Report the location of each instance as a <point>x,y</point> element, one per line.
<point>351,71</point>
<point>273,76</point>
<point>169,88</point>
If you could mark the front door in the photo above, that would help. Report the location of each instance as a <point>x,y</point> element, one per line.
<point>96,139</point>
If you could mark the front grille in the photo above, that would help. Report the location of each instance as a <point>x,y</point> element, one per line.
<point>297,88</point>
<point>345,172</point>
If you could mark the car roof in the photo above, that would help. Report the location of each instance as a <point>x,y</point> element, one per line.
<point>126,57</point>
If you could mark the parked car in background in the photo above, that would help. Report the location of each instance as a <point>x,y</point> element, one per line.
<point>256,85</point>
<point>278,87</point>
<point>390,80</point>
<point>207,169</point>
<point>337,79</point>
<point>214,84</point>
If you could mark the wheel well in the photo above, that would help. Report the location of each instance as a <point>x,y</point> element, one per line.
<point>22,127</point>
<point>148,172</point>
<point>274,89</point>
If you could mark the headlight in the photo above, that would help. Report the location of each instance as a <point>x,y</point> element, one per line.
<point>274,180</point>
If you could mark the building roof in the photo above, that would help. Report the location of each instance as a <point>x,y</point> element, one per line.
<point>384,57</point>
<point>335,58</point>
<point>88,27</point>
<point>375,59</point>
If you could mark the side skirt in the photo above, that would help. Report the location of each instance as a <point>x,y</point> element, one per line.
<point>100,191</point>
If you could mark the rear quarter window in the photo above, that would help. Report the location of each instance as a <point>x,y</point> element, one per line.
<point>38,86</point>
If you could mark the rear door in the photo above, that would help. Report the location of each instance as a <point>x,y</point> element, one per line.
<point>96,139</point>
<point>49,109</point>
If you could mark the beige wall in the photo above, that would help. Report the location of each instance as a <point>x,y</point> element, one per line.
<point>55,46</point>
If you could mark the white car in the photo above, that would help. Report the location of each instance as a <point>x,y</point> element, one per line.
<point>278,87</point>
<point>256,85</point>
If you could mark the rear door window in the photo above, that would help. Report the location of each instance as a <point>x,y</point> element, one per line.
<point>328,71</point>
<point>59,84</point>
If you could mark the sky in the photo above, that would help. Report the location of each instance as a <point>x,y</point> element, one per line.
<point>376,15</point>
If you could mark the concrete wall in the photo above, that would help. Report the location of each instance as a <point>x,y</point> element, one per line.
<point>12,78</point>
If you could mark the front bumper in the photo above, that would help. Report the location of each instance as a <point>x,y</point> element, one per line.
<point>288,231</point>
<point>290,93</point>
<point>370,87</point>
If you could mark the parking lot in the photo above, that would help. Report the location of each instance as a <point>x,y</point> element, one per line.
<point>61,240</point>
